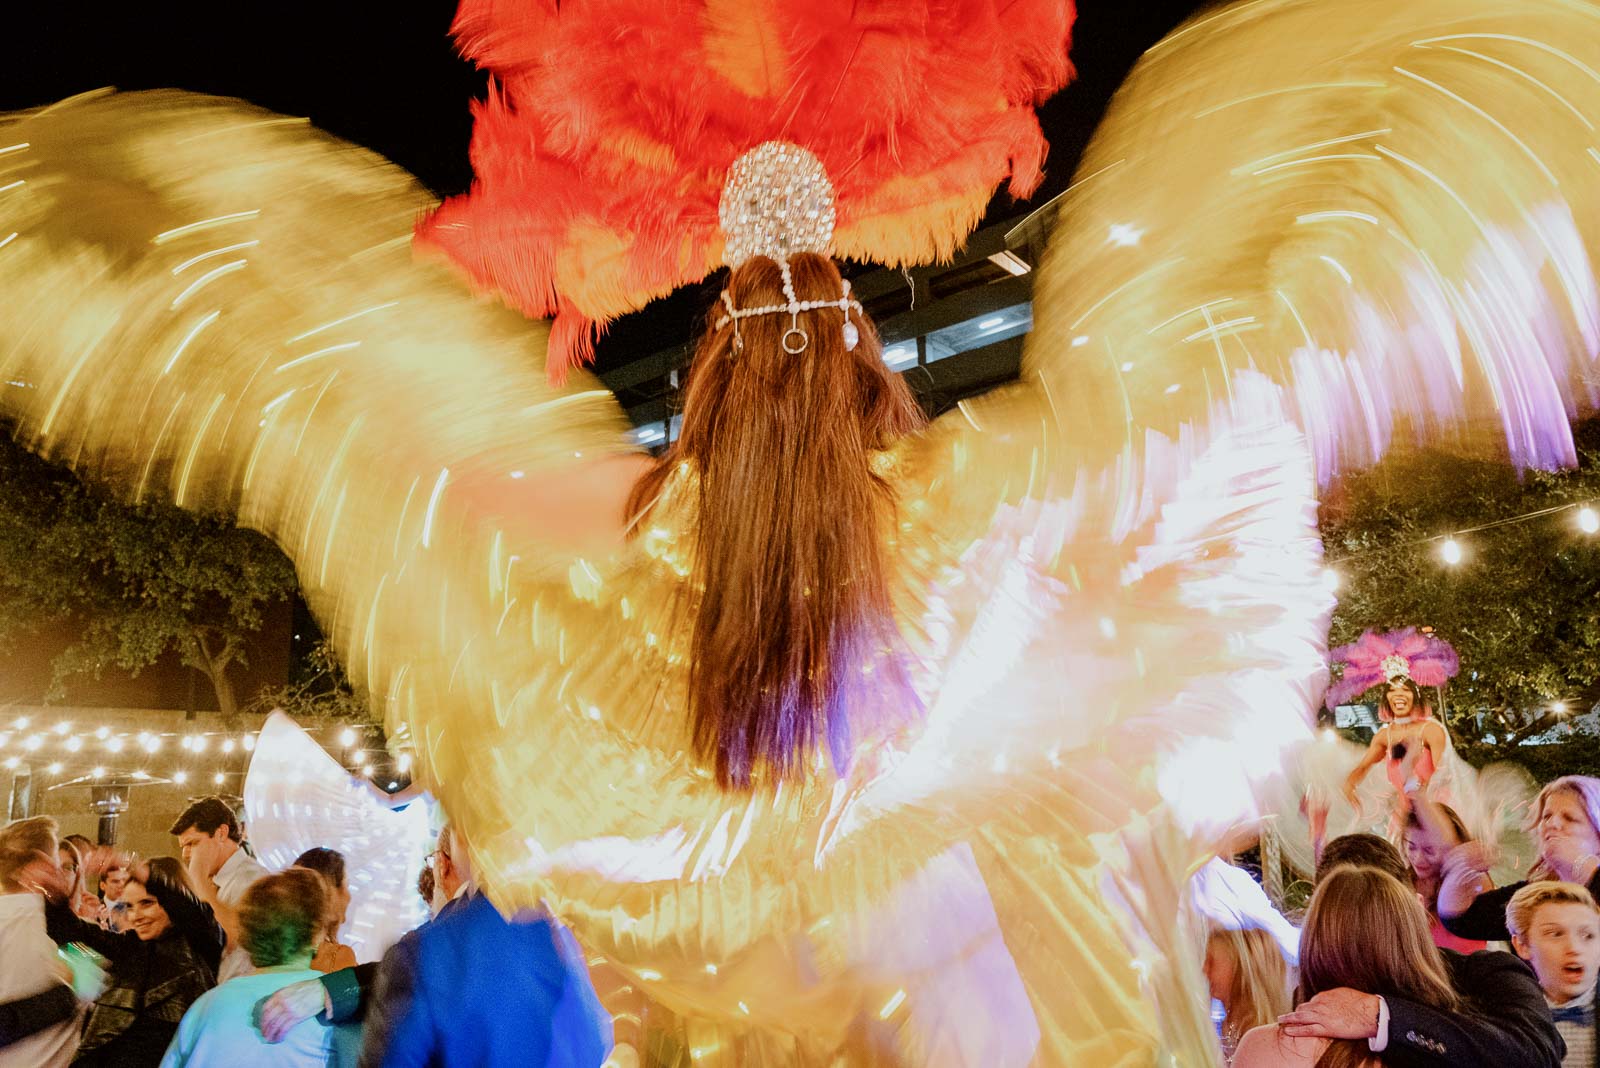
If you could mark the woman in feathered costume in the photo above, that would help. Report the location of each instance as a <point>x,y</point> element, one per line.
<point>845,741</point>
<point>1411,744</point>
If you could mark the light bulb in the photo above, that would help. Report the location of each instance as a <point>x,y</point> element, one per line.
<point>249,742</point>
<point>347,737</point>
<point>102,733</point>
<point>74,744</point>
<point>1451,551</point>
<point>54,768</point>
<point>227,745</point>
<point>217,778</point>
<point>98,773</point>
<point>180,777</point>
<point>1559,708</point>
<point>1588,521</point>
<point>62,727</point>
<point>1331,579</point>
<point>12,762</point>
<point>199,743</point>
<point>114,745</point>
<point>152,745</point>
<point>21,723</point>
<point>32,743</point>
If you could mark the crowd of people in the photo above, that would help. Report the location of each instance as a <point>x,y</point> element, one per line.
<point>1409,955</point>
<point>1406,954</point>
<point>114,960</point>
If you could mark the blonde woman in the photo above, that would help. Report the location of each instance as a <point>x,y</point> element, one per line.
<point>1567,824</point>
<point>1248,975</point>
<point>1365,930</point>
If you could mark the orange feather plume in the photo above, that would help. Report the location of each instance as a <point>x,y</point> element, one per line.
<point>601,149</point>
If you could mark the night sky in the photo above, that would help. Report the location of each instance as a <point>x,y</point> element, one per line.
<point>384,74</point>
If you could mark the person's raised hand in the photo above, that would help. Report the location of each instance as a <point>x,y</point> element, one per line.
<point>101,859</point>
<point>1337,1013</point>
<point>43,875</point>
<point>289,1007</point>
<point>1468,857</point>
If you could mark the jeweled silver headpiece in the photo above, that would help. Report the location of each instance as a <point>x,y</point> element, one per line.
<point>777,202</point>
<point>1396,666</point>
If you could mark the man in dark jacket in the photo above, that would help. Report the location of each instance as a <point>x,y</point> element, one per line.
<point>1507,1026</point>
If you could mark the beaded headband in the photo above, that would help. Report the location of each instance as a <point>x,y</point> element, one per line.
<point>795,339</point>
<point>778,201</point>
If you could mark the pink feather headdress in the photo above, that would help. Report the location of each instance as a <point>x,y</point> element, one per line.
<point>1377,657</point>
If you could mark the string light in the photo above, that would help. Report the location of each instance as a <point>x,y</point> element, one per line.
<point>153,742</point>
<point>1559,708</point>
<point>1587,517</point>
<point>1451,551</point>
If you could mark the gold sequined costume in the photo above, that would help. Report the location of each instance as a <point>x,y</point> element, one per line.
<point>1305,229</point>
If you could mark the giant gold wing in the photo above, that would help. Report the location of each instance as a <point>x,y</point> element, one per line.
<point>1386,209</point>
<point>211,302</point>
<point>1386,206</point>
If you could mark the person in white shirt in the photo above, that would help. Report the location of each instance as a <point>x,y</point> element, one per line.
<point>31,965</point>
<point>114,911</point>
<point>1555,927</point>
<point>208,837</point>
<point>280,921</point>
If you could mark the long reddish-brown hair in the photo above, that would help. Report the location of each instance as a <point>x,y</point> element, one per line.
<point>792,633</point>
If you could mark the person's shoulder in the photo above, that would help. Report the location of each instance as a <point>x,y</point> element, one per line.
<point>1268,1047</point>
<point>1494,968</point>
<point>250,867</point>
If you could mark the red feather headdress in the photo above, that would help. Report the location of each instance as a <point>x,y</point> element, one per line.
<point>601,151</point>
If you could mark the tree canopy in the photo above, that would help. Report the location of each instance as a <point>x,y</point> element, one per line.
<point>1522,607</point>
<point>135,581</point>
